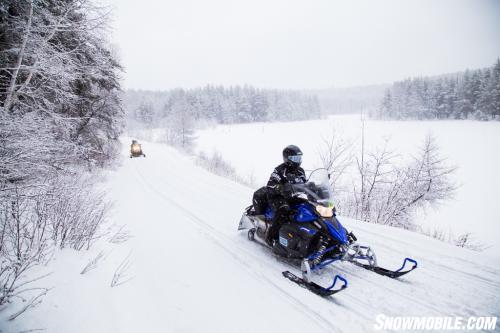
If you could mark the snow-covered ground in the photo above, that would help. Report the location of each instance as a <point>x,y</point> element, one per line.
<point>191,271</point>
<point>473,146</point>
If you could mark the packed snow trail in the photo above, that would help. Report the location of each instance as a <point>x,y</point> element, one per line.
<point>191,271</point>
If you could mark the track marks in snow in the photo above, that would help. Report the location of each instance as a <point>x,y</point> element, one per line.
<point>235,251</point>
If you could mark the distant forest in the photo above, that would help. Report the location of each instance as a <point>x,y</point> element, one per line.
<point>352,100</point>
<point>178,112</point>
<point>223,105</point>
<point>473,94</point>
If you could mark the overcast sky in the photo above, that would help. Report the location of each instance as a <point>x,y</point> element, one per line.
<point>300,44</point>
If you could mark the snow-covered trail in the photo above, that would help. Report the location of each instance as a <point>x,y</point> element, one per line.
<point>193,272</point>
<point>447,283</point>
<point>188,274</point>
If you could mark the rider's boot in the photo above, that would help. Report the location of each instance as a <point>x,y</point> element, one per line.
<point>278,219</point>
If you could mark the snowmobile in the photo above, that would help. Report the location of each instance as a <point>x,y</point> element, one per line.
<point>314,238</point>
<point>136,150</point>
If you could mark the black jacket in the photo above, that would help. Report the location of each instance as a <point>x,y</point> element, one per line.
<point>286,174</point>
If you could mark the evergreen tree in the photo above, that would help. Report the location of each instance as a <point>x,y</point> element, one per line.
<point>55,64</point>
<point>462,96</point>
<point>495,90</point>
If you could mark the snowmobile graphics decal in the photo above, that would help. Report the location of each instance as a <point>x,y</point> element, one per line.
<point>311,231</point>
<point>283,241</point>
<point>338,232</point>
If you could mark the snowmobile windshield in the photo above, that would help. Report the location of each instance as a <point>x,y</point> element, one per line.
<point>317,188</point>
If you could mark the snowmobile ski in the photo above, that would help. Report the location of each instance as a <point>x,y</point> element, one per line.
<point>316,288</point>
<point>387,272</point>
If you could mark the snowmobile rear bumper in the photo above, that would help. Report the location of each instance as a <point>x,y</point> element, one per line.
<point>245,223</point>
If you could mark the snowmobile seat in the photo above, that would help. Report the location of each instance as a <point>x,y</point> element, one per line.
<point>250,210</point>
<point>259,201</point>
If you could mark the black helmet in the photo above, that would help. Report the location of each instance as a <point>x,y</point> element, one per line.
<point>292,155</point>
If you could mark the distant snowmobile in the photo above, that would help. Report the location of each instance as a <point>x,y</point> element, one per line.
<point>136,149</point>
<point>314,237</point>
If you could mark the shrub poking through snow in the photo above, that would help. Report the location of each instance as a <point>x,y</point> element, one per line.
<point>92,264</point>
<point>63,212</point>
<point>382,187</point>
<point>216,165</point>
<point>121,275</point>
<point>466,240</point>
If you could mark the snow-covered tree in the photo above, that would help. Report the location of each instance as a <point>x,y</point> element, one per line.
<point>145,113</point>
<point>54,61</point>
<point>60,116</point>
<point>378,187</point>
<point>460,96</point>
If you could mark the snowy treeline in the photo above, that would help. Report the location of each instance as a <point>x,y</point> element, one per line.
<point>473,94</point>
<point>179,110</point>
<point>60,117</point>
<point>353,100</point>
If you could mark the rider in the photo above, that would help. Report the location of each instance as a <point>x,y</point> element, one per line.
<point>285,174</point>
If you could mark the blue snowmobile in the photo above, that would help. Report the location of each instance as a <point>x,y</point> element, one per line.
<point>314,237</point>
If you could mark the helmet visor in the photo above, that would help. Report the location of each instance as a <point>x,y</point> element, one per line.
<point>295,158</point>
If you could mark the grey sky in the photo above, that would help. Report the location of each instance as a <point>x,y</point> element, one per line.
<point>300,44</point>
